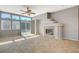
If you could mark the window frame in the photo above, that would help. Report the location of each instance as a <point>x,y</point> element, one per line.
<point>5,19</point>
<point>25,18</point>
<point>3,26</point>
<point>5,13</point>
<point>11,20</point>
<point>26,26</point>
<point>16,16</point>
<point>19,25</point>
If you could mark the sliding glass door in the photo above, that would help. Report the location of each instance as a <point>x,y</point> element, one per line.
<point>25,28</point>
<point>25,25</point>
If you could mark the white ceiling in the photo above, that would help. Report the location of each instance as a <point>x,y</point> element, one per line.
<point>38,9</point>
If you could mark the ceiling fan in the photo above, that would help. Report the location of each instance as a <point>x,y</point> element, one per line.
<point>28,11</point>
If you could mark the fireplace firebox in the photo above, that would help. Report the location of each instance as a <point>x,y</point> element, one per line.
<point>49,31</point>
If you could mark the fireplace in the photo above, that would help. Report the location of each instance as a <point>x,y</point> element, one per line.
<point>54,30</point>
<point>49,31</point>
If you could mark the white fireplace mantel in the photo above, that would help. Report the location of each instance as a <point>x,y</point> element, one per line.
<point>55,24</point>
<point>57,27</point>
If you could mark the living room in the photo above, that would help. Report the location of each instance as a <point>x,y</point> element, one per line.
<point>31,28</point>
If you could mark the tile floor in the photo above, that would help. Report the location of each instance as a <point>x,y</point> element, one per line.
<point>38,44</point>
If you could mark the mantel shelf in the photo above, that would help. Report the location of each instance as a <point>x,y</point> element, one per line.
<point>55,24</point>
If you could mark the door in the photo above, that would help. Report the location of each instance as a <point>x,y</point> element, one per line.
<point>26,28</point>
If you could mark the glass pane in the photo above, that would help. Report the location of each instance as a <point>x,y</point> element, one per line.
<point>25,28</point>
<point>28,19</point>
<point>25,18</point>
<point>15,17</point>
<point>5,16</point>
<point>5,25</point>
<point>28,26</point>
<point>15,25</point>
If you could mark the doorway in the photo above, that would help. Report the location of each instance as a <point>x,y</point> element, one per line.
<point>25,28</point>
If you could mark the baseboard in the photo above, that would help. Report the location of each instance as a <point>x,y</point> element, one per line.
<point>71,39</point>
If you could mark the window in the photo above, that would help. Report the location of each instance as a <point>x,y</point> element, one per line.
<point>25,18</point>
<point>15,25</point>
<point>28,19</point>
<point>5,25</point>
<point>28,26</point>
<point>15,17</point>
<point>12,21</point>
<point>5,16</point>
<point>25,27</point>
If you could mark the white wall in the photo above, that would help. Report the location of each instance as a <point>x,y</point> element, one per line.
<point>78,22</point>
<point>43,21</point>
<point>69,17</point>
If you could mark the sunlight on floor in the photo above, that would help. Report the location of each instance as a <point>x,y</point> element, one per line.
<point>17,40</point>
<point>6,42</point>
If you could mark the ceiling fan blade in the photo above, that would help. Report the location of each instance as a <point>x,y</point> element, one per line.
<point>33,13</point>
<point>28,11</point>
<point>25,6</point>
<point>23,11</point>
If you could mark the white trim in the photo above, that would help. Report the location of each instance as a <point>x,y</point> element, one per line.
<point>71,39</point>
<point>35,26</point>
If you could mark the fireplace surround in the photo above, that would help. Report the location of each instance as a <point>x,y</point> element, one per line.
<point>55,30</point>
